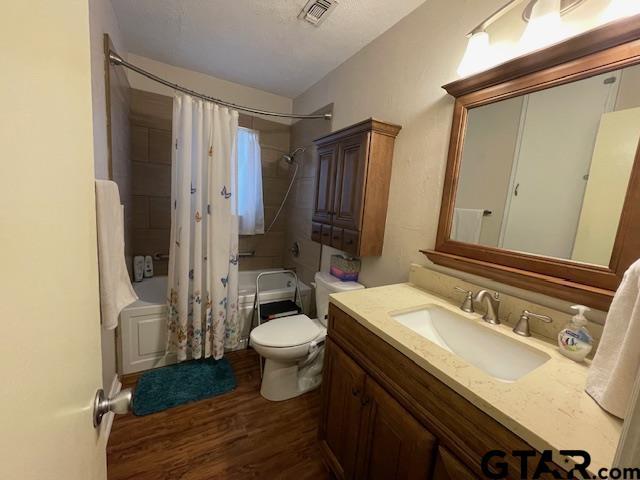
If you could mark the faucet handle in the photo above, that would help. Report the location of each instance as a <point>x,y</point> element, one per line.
<point>467,304</point>
<point>468,292</point>
<point>522,327</point>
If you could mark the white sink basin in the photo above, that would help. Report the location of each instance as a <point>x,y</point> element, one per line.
<point>496,354</point>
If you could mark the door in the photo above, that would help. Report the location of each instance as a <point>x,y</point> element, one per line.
<point>449,467</point>
<point>50,360</point>
<point>350,174</point>
<point>613,157</point>
<point>326,177</point>
<point>557,136</point>
<point>393,445</point>
<point>343,387</point>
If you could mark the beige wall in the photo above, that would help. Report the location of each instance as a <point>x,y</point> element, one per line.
<point>222,89</point>
<point>397,78</point>
<point>102,20</point>
<point>50,350</point>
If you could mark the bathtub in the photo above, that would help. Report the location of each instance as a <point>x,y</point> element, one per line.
<point>142,332</point>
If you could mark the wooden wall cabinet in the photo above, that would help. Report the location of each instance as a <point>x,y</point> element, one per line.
<point>384,417</point>
<point>352,187</point>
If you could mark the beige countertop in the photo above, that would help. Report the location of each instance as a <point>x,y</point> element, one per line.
<point>547,408</point>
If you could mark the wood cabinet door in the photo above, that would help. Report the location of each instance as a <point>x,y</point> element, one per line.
<point>350,177</point>
<point>325,183</point>
<point>393,444</point>
<point>448,467</point>
<point>343,388</point>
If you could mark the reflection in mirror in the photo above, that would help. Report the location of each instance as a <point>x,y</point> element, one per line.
<point>547,173</point>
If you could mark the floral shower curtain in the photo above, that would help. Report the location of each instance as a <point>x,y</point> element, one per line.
<point>203,255</point>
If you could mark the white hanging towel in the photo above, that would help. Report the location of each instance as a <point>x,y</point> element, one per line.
<point>467,223</point>
<point>615,365</point>
<point>116,291</point>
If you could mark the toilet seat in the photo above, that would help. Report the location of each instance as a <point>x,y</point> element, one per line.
<point>286,332</point>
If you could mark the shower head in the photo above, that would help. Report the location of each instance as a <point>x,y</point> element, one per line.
<point>291,158</point>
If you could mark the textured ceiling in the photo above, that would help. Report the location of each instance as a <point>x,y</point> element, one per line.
<point>257,43</point>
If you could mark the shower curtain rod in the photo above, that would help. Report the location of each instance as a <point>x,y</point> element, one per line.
<point>116,59</point>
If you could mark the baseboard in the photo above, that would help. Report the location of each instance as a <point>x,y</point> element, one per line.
<point>116,386</point>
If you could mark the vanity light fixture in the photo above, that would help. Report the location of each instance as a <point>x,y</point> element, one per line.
<point>476,56</point>
<point>544,28</point>
<point>618,9</point>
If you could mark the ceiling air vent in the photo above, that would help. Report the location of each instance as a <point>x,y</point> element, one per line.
<point>316,11</point>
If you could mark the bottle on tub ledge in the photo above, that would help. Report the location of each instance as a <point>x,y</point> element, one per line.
<point>138,268</point>
<point>148,266</point>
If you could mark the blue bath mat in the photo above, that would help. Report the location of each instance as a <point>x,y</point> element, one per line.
<point>185,382</point>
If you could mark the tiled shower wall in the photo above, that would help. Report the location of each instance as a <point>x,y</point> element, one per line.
<point>275,139</point>
<point>150,121</point>
<point>299,207</point>
<point>151,163</point>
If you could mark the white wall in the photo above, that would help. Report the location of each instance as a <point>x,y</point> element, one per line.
<point>202,83</point>
<point>487,159</point>
<point>102,19</point>
<point>398,78</point>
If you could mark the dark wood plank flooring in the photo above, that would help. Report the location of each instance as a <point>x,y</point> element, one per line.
<point>239,435</point>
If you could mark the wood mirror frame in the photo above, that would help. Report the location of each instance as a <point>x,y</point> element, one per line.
<point>611,47</point>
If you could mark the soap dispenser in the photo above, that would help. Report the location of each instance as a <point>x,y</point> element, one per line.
<point>574,340</point>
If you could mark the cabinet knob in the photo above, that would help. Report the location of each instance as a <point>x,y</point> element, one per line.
<point>365,401</point>
<point>355,391</point>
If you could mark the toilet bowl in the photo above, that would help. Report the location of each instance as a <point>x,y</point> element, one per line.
<point>293,347</point>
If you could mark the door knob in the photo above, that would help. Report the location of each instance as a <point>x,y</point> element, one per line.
<point>118,404</point>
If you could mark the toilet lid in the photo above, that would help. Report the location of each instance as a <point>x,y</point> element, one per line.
<point>286,332</point>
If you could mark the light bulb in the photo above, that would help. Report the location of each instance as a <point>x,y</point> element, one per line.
<point>544,28</point>
<point>618,9</point>
<point>478,55</point>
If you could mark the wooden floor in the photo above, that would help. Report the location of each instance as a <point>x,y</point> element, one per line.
<point>239,435</point>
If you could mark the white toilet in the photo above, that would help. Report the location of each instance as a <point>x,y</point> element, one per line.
<point>293,347</point>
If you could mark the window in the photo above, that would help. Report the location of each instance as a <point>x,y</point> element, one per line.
<point>250,204</point>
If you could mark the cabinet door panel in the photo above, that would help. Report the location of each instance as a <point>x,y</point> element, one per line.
<point>350,242</point>
<point>449,467</point>
<point>336,238</point>
<point>325,184</point>
<point>325,235</point>
<point>343,387</point>
<point>349,188</point>
<point>393,444</point>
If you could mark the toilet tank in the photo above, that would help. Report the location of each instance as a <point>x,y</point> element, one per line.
<point>326,284</point>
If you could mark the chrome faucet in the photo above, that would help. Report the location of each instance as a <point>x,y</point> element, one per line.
<point>493,305</point>
<point>522,327</point>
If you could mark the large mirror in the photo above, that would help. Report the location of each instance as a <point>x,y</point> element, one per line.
<point>546,173</point>
<point>542,186</point>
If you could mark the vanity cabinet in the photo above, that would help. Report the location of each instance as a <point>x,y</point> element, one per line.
<point>385,417</point>
<point>352,187</point>
<point>365,433</point>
